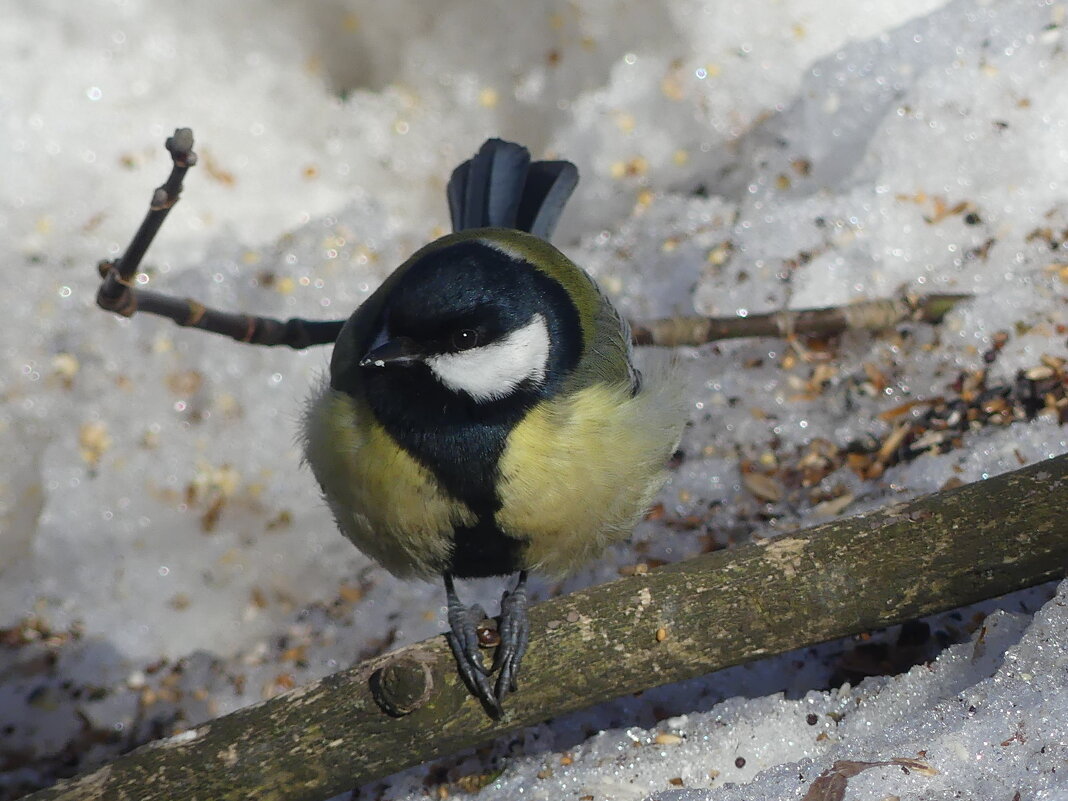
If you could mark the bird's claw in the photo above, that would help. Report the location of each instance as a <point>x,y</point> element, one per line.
<point>474,675</point>
<point>514,631</point>
<point>463,625</point>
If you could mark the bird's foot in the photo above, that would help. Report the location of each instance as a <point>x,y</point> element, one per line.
<point>463,638</point>
<point>464,643</point>
<point>514,631</point>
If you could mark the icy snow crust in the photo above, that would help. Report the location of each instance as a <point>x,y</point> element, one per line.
<point>735,158</point>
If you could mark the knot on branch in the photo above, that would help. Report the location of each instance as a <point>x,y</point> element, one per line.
<point>402,686</point>
<point>114,294</point>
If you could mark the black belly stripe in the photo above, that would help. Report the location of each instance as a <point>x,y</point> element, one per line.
<point>462,450</point>
<point>484,550</point>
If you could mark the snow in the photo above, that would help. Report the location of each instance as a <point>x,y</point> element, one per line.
<point>735,158</point>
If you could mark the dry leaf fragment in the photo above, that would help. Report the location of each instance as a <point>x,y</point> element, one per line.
<point>834,506</point>
<point>891,443</point>
<point>664,738</point>
<point>185,382</point>
<point>350,593</point>
<point>215,170</point>
<point>65,366</point>
<point>1053,362</point>
<point>763,487</point>
<point>93,442</point>
<point>908,406</point>
<point>1039,373</point>
<point>828,786</point>
<point>876,376</point>
<point>831,784</point>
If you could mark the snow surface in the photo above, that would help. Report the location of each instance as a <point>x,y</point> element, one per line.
<point>735,157</point>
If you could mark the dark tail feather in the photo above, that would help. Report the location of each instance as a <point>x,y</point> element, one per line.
<point>500,187</point>
<point>549,185</point>
<point>485,191</point>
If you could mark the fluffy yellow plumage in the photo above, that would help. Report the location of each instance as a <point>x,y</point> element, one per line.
<point>389,505</point>
<point>483,416</point>
<point>578,473</point>
<point>575,475</point>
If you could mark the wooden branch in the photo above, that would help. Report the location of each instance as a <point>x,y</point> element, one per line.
<point>895,564</point>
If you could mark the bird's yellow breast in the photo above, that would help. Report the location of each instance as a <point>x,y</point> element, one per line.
<point>388,504</point>
<point>578,472</point>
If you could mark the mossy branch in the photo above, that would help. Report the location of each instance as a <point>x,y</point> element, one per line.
<point>406,707</point>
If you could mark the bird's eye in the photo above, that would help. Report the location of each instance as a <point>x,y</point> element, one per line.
<point>464,338</point>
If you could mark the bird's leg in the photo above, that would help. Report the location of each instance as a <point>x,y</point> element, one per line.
<point>514,630</point>
<point>463,641</point>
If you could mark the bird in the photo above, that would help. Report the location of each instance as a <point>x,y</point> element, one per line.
<point>482,415</point>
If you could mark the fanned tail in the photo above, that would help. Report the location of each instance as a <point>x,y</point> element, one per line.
<point>502,188</point>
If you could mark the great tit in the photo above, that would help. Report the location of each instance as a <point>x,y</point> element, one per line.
<point>483,416</point>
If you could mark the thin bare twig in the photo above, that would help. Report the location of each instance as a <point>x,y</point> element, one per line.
<point>119,295</point>
<point>866,315</point>
<point>115,293</point>
<point>293,333</point>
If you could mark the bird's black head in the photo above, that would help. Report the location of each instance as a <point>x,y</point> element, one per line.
<point>469,323</point>
<point>456,347</point>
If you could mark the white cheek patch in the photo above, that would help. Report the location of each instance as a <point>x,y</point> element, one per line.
<point>493,371</point>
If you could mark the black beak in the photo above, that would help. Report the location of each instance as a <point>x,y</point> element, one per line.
<point>401,350</point>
